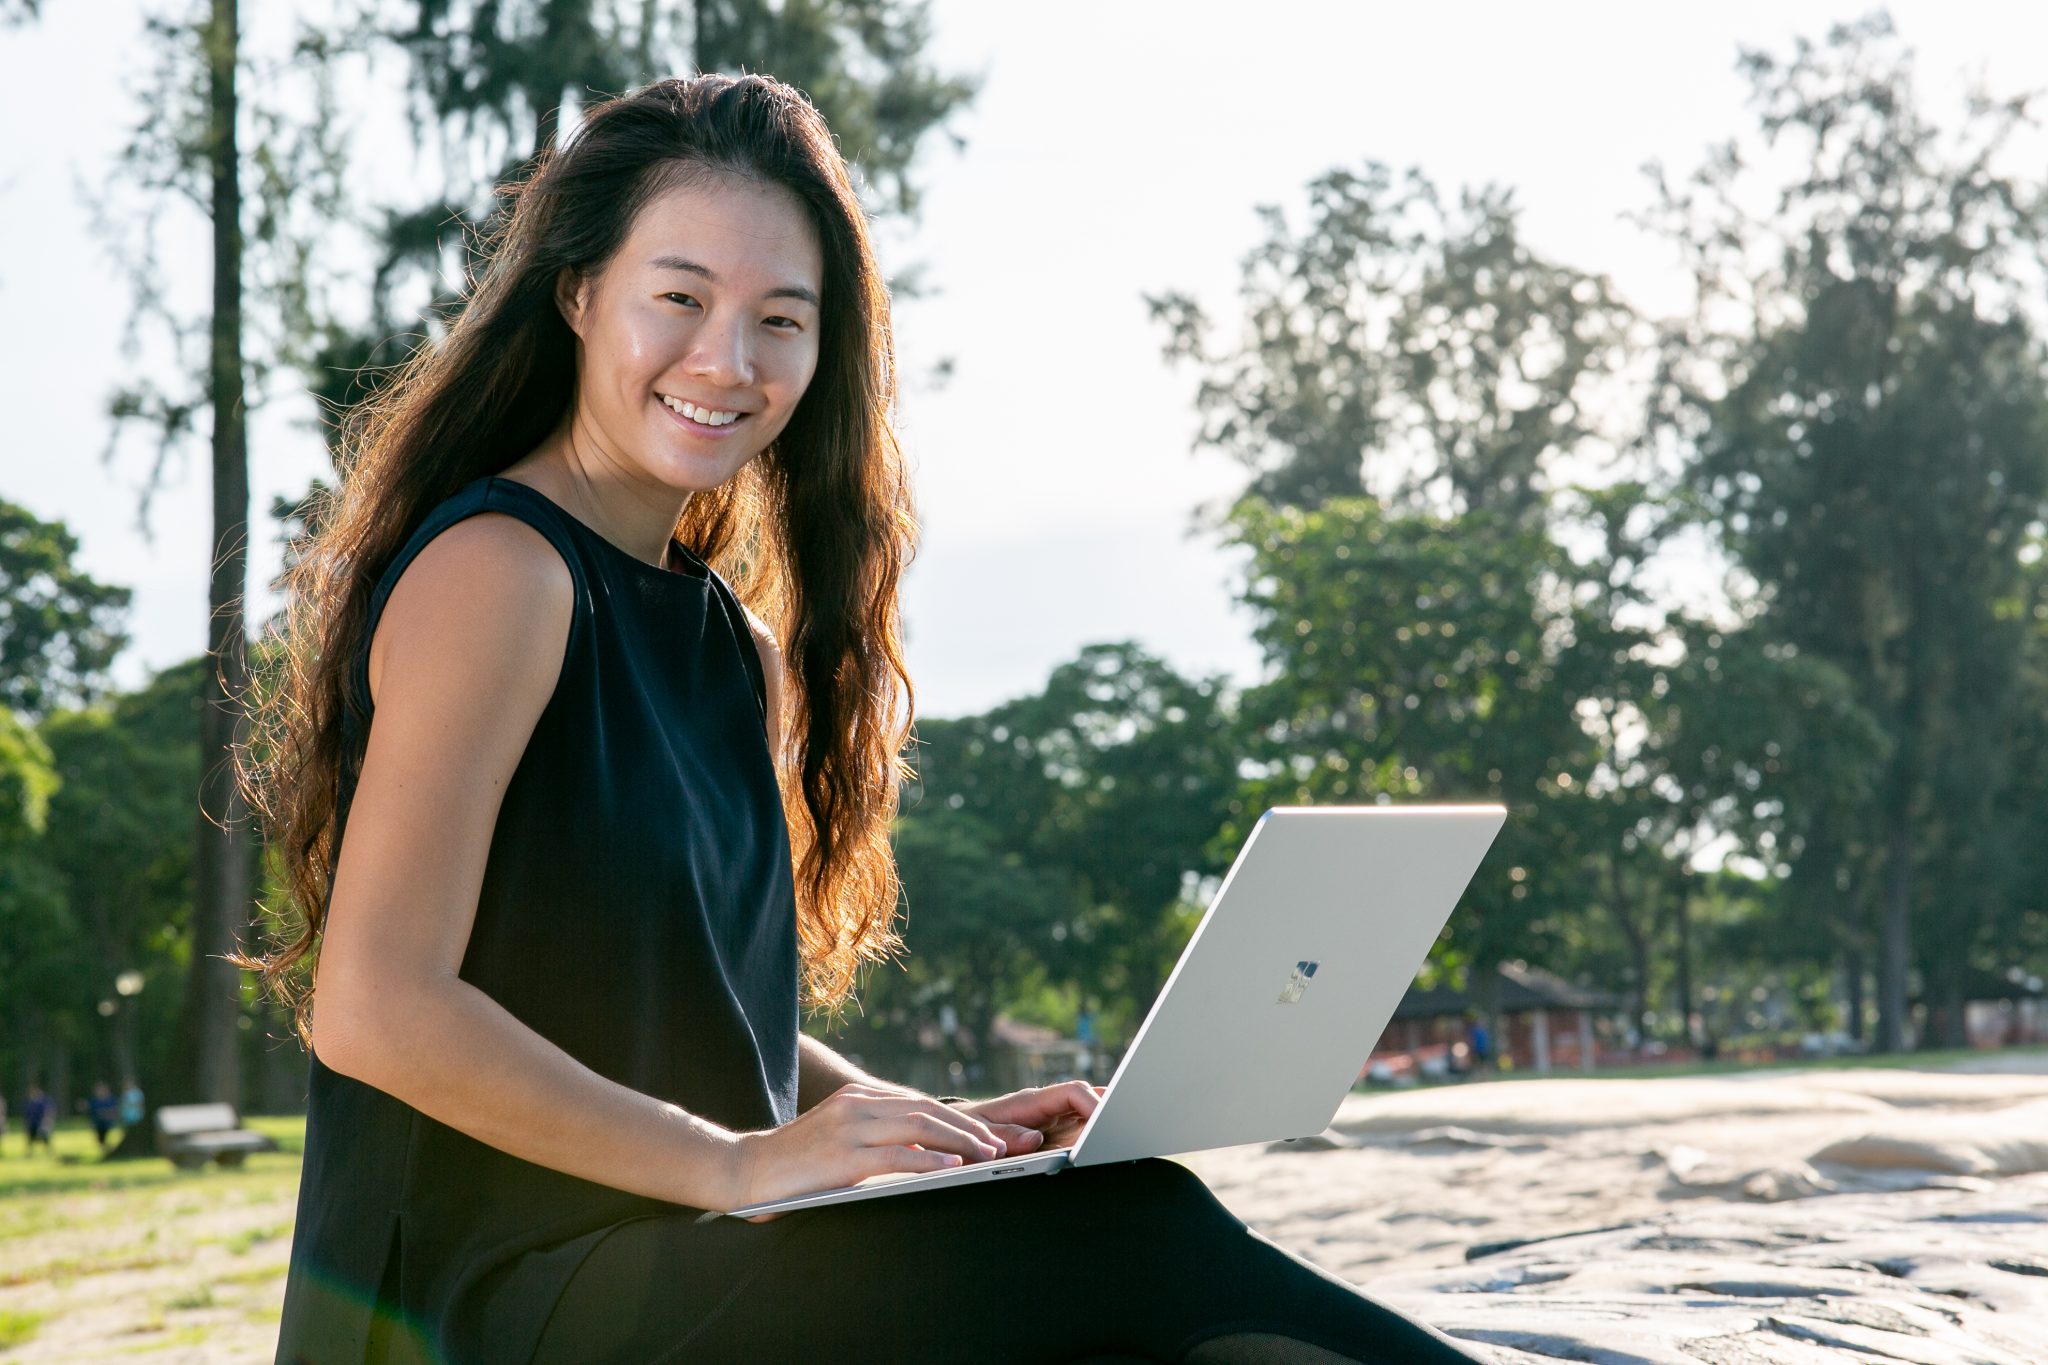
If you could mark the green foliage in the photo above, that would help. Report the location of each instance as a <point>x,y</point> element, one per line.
<point>1416,657</point>
<point>38,969</point>
<point>26,783</point>
<point>59,627</point>
<point>975,916</point>
<point>1048,847</point>
<point>58,633</point>
<point>120,841</point>
<point>1403,347</point>
<point>1411,390</point>
<point>1862,388</point>
<point>1117,776</point>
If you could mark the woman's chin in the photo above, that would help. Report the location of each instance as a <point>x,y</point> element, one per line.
<point>690,472</point>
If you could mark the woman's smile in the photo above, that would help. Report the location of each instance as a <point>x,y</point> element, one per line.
<point>699,428</point>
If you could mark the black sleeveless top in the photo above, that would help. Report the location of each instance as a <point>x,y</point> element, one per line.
<point>636,910</point>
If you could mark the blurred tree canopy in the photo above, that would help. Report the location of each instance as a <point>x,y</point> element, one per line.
<point>1422,658</point>
<point>1401,346</point>
<point>1092,805</point>
<point>1412,390</point>
<point>1449,516</point>
<point>1861,393</point>
<point>120,844</point>
<point>60,629</point>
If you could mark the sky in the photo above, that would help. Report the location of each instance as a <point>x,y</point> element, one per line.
<point>1115,150</point>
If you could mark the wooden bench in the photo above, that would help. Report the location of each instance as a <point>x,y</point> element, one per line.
<point>191,1134</point>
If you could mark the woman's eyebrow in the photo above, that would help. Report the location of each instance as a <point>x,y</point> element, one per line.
<point>787,291</point>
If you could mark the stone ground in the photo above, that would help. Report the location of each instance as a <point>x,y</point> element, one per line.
<point>1778,1218</point>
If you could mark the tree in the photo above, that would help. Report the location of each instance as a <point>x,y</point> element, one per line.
<point>119,841</point>
<point>975,918</point>
<point>1861,386</point>
<point>34,925</point>
<point>60,629</point>
<point>1427,658</point>
<point>1403,347</point>
<point>1721,744</point>
<point>1115,778</point>
<point>189,151</point>
<point>1411,389</point>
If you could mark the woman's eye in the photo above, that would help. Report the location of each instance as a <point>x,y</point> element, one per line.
<point>790,323</point>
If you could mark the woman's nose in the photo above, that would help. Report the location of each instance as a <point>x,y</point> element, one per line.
<point>723,357</point>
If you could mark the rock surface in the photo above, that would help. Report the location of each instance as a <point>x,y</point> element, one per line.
<point>1778,1218</point>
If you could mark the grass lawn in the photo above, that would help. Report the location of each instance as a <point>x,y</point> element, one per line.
<point>139,1260</point>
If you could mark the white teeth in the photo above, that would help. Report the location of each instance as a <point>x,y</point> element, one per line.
<point>710,417</point>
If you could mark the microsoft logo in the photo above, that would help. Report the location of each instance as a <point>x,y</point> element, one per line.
<point>1297,982</point>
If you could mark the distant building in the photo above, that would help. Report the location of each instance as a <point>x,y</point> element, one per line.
<point>1546,1022</point>
<point>1998,1010</point>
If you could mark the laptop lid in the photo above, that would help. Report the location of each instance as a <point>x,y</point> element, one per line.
<point>1290,978</point>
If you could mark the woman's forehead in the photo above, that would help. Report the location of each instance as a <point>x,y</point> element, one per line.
<point>728,227</point>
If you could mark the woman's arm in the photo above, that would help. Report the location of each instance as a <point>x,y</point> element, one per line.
<point>466,654</point>
<point>820,1071</point>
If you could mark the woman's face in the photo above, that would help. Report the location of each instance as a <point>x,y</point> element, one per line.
<point>712,302</point>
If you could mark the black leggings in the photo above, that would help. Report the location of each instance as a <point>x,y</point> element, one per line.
<point>1135,1260</point>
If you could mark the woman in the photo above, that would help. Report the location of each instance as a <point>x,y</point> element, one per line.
<point>599,831</point>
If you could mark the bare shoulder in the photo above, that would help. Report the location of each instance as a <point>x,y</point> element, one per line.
<point>764,638</point>
<point>489,598</point>
<point>770,650</point>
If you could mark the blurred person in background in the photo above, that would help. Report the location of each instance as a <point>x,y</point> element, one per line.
<point>102,1109</point>
<point>37,1115</point>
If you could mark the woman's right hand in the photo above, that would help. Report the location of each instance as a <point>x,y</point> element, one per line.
<point>855,1132</point>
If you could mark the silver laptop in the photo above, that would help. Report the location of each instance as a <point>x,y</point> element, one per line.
<point>1276,1002</point>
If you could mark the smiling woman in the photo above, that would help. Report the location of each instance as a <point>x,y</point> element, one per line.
<point>602,842</point>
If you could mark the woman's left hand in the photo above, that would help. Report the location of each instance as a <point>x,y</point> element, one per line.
<point>1040,1118</point>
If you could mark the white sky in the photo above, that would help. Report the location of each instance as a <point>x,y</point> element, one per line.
<point>1116,149</point>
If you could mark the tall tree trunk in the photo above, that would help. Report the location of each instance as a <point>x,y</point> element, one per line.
<point>1895,925</point>
<point>206,1067</point>
<point>1955,1024</point>
<point>1852,969</point>
<point>1638,936</point>
<point>1681,908</point>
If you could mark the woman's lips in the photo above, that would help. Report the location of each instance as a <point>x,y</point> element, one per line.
<point>697,428</point>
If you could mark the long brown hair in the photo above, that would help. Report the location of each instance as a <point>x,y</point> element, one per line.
<point>813,534</point>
